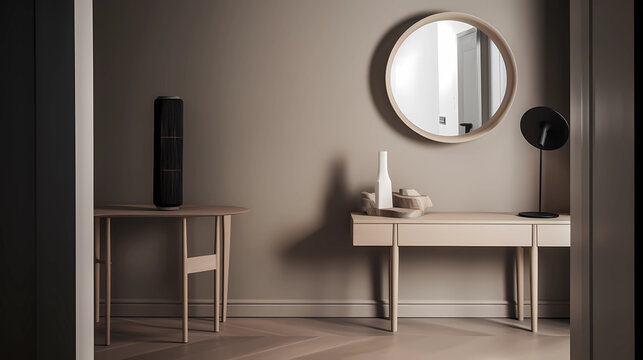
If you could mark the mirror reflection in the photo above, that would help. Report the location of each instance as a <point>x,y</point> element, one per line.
<point>448,78</point>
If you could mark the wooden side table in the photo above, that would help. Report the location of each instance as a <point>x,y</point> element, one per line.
<point>219,261</point>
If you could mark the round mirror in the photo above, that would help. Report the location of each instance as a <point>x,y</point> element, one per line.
<point>451,77</point>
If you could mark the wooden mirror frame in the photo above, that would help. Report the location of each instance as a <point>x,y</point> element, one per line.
<point>507,56</point>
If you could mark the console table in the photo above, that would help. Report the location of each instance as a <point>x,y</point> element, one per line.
<point>463,229</point>
<point>219,261</point>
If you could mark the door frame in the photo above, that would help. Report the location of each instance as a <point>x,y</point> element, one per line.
<point>602,190</point>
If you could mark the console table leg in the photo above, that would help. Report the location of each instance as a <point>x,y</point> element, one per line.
<point>534,283</point>
<point>394,275</point>
<point>520,282</point>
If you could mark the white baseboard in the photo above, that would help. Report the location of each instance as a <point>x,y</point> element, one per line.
<point>334,308</point>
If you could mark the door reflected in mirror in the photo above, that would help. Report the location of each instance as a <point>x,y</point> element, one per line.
<point>447,77</point>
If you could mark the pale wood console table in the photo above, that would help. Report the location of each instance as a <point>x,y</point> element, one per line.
<point>463,229</point>
<point>219,261</point>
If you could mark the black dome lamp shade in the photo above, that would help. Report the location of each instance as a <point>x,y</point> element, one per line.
<point>545,129</point>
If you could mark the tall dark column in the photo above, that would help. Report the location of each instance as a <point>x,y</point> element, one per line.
<point>55,179</point>
<point>37,248</point>
<point>17,181</point>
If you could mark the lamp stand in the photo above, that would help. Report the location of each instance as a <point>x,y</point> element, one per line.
<point>539,213</point>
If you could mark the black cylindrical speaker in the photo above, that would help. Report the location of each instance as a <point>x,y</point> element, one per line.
<point>168,152</point>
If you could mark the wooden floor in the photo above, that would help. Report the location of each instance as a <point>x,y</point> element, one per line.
<point>335,338</point>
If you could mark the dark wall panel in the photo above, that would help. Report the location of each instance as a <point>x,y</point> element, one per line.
<point>37,248</point>
<point>17,181</point>
<point>613,190</point>
<point>55,177</point>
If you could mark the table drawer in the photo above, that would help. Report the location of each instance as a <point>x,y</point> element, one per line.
<point>463,235</point>
<point>554,235</point>
<point>373,234</point>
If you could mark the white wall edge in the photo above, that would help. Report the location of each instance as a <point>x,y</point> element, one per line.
<point>333,308</point>
<point>84,160</point>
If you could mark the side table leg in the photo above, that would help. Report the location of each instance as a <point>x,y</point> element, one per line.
<point>217,274</point>
<point>97,268</point>
<point>227,230</point>
<point>108,283</point>
<point>184,270</point>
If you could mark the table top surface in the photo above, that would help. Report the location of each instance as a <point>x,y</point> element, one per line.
<point>139,210</point>
<point>460,218</point>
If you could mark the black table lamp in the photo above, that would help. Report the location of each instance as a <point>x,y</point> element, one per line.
<point>545,129</point>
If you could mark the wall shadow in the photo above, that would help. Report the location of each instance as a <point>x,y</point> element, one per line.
<point>377,77</point>
<point>329,247</point>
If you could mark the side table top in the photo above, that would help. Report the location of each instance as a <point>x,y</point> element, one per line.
<point>145,210</point>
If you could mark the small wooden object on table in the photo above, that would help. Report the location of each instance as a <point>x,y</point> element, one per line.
<point>408,203</point>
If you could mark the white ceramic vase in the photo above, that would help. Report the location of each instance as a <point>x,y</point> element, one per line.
<point>383,189</point>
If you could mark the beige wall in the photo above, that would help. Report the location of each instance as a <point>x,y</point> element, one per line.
<point>285,111</point>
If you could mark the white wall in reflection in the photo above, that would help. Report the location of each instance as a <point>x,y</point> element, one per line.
<point>424,79</point>
<point>448,74</point>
